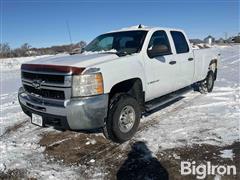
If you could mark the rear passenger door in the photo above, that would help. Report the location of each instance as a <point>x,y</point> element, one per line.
<point>184,58</point>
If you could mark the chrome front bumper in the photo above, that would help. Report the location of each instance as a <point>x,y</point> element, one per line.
<point>79,113</point>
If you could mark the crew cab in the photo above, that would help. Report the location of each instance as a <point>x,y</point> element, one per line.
<point>118,77</point>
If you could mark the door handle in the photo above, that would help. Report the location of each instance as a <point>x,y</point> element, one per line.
<point>190,59</point>
<point>172,62</point>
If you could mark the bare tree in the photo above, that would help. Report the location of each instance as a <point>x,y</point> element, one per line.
<point>5,50</point>
<point>27,50</point>
<point>24,49</point>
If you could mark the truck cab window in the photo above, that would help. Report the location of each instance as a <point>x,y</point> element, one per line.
<point>128,42</point>
<point>180,42</point>
<point>159,44</point>
<point>106,43</point>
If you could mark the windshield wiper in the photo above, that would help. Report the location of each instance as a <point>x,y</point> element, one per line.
<point>118,53</point>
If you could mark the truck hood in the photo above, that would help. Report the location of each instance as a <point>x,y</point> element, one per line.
<point>78,60</point>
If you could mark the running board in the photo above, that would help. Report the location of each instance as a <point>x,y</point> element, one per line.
<point>155,103</point>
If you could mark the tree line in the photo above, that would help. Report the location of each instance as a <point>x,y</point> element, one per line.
<point>27,50</point>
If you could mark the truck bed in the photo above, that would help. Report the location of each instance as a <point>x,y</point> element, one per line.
<point>202,60</point>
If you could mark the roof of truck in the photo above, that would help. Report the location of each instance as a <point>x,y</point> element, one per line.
<point>142,27</point>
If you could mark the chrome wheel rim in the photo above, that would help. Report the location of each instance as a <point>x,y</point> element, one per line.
<point>127,119</point>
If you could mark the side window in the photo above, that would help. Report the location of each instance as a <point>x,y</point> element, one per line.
<point>106,43</point>
<point>159,44</point>
<point>180,42</point>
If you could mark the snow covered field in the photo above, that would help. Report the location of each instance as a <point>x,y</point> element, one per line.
<point>197,119</point>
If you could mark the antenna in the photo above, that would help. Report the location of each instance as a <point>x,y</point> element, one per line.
<point>69,32</point>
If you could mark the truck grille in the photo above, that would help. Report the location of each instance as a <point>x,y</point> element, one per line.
<point>47,78</point>
<point>45,93</point>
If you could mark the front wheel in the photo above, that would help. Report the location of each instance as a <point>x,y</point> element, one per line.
<point>123,118</point>
<point>207,84</point>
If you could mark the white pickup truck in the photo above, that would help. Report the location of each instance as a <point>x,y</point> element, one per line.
<point>119,76</point>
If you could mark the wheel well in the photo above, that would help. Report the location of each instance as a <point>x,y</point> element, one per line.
<point>133,87</point>
<point>214,61</point>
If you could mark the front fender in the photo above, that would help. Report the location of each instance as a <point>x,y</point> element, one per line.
<point>120,70</point>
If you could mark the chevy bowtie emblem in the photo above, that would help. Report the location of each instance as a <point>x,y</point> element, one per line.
<point>37,84</point>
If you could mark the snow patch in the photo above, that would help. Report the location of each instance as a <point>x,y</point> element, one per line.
<point>227,153</point>
<point>97,52</point>
<point>92,161</point>
<point>91,141</point>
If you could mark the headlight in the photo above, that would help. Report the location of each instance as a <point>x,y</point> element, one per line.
<point>87,85</point>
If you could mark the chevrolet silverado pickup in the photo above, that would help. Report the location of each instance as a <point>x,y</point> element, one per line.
<point>118,77</point>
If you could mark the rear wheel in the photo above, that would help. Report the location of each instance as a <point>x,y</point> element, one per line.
<point>123,118</point>
<point>207,84</point>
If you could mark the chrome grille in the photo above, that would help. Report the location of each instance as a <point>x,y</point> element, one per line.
<point>47,78</point>
<point>45,93</point>
<point>50,86</point>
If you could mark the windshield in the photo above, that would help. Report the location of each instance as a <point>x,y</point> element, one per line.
<point>126,42</point>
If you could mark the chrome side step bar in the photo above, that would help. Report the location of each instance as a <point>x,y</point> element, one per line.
<point>155,103</point>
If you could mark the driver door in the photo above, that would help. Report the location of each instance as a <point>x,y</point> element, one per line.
<point>161,67</point>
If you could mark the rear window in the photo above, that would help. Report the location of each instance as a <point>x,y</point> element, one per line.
<point>180,42</point>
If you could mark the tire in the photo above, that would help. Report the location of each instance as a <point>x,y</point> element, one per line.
<point>123,118</point>
<point>206,86</point>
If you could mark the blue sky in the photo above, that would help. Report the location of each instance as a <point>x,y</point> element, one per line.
<point>43,23</point>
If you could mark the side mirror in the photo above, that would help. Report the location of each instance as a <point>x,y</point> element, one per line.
<point>158,50</point>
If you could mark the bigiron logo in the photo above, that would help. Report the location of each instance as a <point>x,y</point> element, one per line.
<point>202,170</point>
